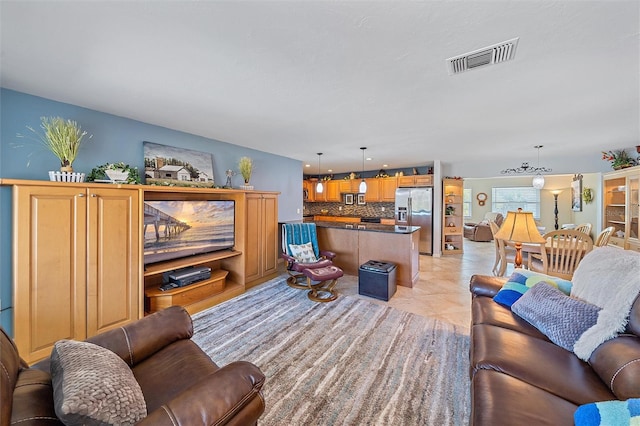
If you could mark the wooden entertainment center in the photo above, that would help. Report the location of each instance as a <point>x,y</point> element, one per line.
<point>78,266</point>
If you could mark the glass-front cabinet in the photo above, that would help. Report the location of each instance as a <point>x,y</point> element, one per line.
<point>633,242</point>
<point>621,201</point>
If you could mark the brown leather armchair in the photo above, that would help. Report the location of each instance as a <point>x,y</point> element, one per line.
<point>481,231</point>
<point>180,383</point>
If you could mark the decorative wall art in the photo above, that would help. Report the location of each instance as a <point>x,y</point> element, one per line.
<point>169,165</point>
<point>576,193</point>
<point>361,200</point>
<point>348,199</point>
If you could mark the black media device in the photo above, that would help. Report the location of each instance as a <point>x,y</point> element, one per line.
<point>185,276</point>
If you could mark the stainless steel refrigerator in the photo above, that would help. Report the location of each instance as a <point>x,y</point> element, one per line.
<point>414,207</point>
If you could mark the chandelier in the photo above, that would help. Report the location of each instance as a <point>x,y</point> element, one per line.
<point>525,168</point>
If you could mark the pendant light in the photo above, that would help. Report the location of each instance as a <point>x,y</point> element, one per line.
<point>363,185</point>
<point>538,179</point>
<point>319,187</point>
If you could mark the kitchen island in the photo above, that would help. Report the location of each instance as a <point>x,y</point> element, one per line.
<point>357,243</point>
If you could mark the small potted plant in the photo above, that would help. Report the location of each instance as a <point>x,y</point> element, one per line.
<point>246,167</point>
<point>63,138</point>
<point>115,173</point>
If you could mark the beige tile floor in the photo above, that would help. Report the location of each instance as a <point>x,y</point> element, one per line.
<point>442,291</point>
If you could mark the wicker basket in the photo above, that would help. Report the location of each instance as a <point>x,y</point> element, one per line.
<point>66,176</point>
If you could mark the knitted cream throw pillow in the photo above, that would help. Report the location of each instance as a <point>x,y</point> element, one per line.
<point>94,386</point>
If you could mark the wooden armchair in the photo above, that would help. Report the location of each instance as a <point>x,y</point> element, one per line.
<point>585,228</point>
<point>562,253</point>
<point>603,237</point>
<point>505,253</point>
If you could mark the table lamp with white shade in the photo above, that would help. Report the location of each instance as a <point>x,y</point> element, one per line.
<point>519,227</point>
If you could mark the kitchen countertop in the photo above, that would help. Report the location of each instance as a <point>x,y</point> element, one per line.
<point>375,227</point>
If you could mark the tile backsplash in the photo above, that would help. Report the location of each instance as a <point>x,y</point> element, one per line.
<point>341,209</point>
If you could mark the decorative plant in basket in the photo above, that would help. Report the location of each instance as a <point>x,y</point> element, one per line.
<point>619,159</point>
<point>246,167</point>
<point>62,137</point>
<point>115,172</point>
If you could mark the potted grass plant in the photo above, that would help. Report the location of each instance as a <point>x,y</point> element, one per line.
<point>246,167</point>
<point>63,138</point>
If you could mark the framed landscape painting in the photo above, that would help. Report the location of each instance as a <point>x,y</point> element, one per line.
<point>170,165</point>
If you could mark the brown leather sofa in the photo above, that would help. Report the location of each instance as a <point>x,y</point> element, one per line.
<point>180,383</point>
<point>481,231</point>
<point>519,377</point>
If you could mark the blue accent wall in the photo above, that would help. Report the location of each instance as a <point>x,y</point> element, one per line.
<point>116,139</point>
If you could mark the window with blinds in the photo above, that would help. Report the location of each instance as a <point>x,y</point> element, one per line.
<point>510,199</point>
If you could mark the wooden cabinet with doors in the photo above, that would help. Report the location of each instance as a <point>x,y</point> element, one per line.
<point>415,180</point>
<point>373,190</point>
<point>261,246</point>
<point>452,216</point>
<point>309,190</point>
<point>76,263</point>
<point>331,191</point>
<point>621,203</point>
<point>388,188</point>
<point>349,186</point>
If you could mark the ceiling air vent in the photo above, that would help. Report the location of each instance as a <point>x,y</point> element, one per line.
<point>490,55</point>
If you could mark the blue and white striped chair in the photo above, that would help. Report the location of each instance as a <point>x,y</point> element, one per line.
<point>300,251</point>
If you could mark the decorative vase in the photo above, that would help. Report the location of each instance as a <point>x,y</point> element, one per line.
<point>117,175</point>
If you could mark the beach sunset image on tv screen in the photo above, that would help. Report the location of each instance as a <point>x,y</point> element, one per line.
<point>180,228</point>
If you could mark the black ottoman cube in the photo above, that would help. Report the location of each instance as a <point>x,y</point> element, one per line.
<point>377,279</point>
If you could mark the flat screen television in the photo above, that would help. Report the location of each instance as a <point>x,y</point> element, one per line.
<point>180,228</point>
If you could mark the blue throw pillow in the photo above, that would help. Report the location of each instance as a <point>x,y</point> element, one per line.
<point>522,280</point>
<point>608,413</point>
<point>563,319</point>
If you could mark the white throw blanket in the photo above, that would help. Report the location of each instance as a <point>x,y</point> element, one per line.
<point>607,277</point>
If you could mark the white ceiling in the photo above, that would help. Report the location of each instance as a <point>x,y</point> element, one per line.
<point>295,78</point>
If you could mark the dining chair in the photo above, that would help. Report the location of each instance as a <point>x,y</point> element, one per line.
<point>505,253</point>
<point>584,227</point>
<point>562,253</point>
<point>499,245</point>
<point>603,237</point>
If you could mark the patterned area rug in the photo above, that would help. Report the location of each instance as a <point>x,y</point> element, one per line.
<point>347,362</point>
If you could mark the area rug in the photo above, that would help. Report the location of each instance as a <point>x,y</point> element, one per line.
<point>347,362</point>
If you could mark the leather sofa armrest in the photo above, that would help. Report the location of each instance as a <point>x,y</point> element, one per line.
<point>617,362</point>
<point>289,259</point>
<point>215,399</point>
<point>486,285</point>
<point>139,340</point>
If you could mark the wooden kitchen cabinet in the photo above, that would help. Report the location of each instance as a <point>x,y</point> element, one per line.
<point>388,188</point>
<point>373,190</point>
<point>415,181</point>
<point>332,191</point>
<point>261,247</point>
<point>349,186</point>
<point>76,263</point>
<point>309,190</point>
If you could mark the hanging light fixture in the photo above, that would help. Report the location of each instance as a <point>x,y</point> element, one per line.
<point>538,179</point>
<point>363,185</point>
<point>319,187</point>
